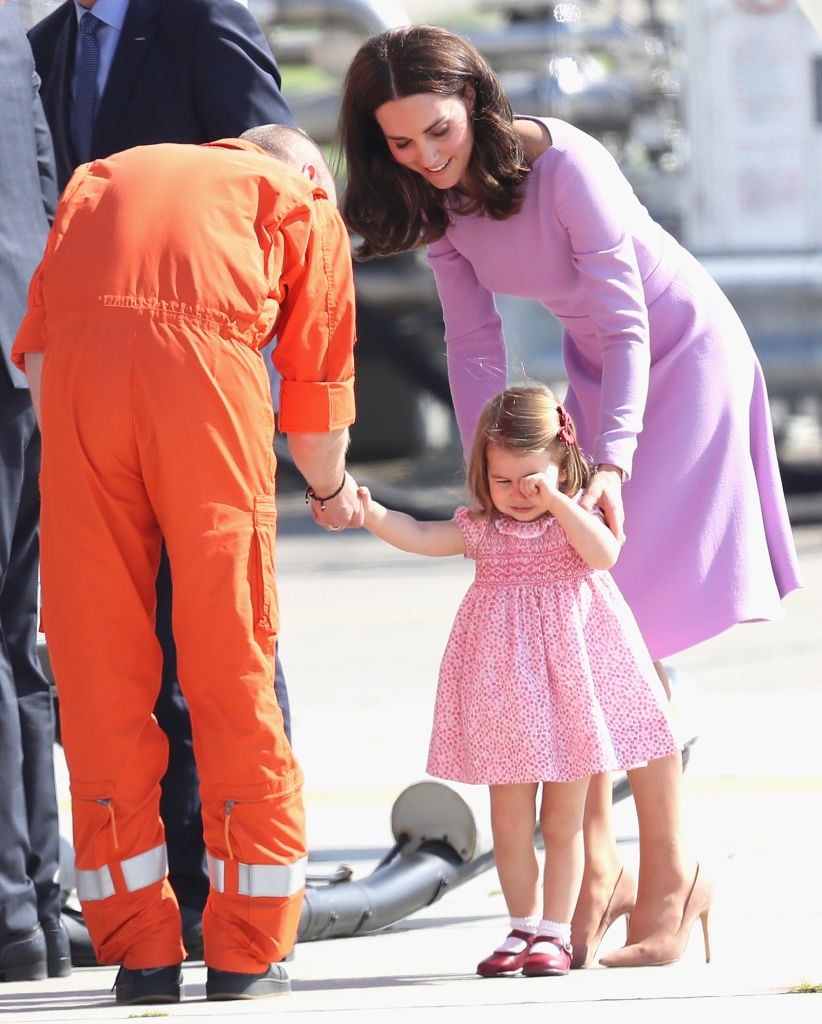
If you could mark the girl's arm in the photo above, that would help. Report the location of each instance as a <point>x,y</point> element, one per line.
<point>587,532</point>
<point>408,534</point>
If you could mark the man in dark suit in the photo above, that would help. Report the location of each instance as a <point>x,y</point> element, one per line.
<point>33,942</point>
<point>180,71</point>
<point>167,71</point>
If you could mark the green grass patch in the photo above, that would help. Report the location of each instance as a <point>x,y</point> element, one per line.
<point>307,78</point>
<point>806,986</point>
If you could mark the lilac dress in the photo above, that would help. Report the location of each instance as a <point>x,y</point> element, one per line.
<point>545,676</point>
<point>663,382</point>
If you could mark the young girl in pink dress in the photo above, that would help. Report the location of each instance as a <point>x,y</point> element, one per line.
<point>545,678</point>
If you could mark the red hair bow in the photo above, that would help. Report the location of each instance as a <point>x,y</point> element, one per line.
<point>566,432</point>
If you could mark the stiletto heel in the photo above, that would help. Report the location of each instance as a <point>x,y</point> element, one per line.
<point>667,948</point>
<point>703,917</point>
<point>620,904</point>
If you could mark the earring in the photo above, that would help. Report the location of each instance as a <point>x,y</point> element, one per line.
<point>472,115</point>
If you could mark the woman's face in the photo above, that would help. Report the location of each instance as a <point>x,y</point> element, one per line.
<point>431,134</point>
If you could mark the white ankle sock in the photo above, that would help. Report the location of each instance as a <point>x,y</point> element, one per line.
<point>554,931</point>
<point>525,924</point>
<point>511,943</point>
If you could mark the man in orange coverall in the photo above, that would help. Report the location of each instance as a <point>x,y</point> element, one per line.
<point>167,270</point>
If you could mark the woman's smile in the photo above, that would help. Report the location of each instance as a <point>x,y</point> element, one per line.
<point>430,135</point>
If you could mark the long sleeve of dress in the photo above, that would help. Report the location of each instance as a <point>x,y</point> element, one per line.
<point>581,245</point>
<point>475,346</point>
<point>593,202</point>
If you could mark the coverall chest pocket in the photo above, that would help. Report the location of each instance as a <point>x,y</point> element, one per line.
<point>263,580</point>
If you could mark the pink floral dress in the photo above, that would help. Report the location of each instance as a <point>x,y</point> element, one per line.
<point>545,676</point>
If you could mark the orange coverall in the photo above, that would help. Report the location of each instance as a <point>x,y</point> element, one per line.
<point>167,269</point>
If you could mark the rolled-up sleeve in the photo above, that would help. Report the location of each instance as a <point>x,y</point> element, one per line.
<point>316,331</point>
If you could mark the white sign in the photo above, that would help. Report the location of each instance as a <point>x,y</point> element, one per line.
<point>752,123</point>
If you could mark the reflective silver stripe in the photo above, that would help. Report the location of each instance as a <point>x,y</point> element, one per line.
<point>146,868</point>
<point>94,885</point>
<point>260,879</point>
<point>138,872</point>
<point>216,873</point>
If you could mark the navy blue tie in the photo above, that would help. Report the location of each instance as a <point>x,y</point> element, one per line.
<point>85,87</point>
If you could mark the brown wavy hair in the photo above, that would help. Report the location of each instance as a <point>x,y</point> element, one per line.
<point>391,207</point>
<point>525,419</point>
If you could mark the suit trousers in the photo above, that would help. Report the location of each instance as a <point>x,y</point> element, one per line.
<point>29,831</point>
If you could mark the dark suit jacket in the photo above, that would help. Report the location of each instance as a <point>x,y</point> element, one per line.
<point>184,71</point>
<point>29,193</point>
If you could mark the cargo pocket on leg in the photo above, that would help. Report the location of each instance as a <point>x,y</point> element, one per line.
<point>264,586</point>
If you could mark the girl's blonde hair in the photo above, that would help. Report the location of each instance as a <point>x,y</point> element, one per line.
<point>526,419</point>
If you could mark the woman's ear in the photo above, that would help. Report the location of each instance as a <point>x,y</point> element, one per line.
<point>469,95</point>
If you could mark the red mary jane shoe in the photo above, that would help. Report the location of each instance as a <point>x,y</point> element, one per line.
<point>500,963</point>
<point>547,957</point>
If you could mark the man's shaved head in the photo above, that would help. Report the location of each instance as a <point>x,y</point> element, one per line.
<point>293,147</point>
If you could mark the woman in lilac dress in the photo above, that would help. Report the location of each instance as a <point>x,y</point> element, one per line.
<point>663,384</point>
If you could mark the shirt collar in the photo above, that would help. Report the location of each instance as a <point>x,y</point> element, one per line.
<point>111,12</point>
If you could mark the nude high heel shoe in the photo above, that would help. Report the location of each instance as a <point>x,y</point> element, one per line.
<point>620,904</point>
<point>664,948</point>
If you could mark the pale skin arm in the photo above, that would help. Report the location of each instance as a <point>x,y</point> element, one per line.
<point>436,538</point>
<point>34,372</point>
<point>605,491</point>
<point>590,537</point>
<point>321,460</point>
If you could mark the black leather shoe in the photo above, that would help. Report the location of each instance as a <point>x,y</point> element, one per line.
<point>24,958</point>
<point>149,985</point>
<point>235,985</point>
<point>58,948</point>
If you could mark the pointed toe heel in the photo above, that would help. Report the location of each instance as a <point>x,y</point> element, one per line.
<point>667,947</point>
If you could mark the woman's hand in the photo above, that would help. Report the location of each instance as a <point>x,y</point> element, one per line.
<point>605,491</point>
